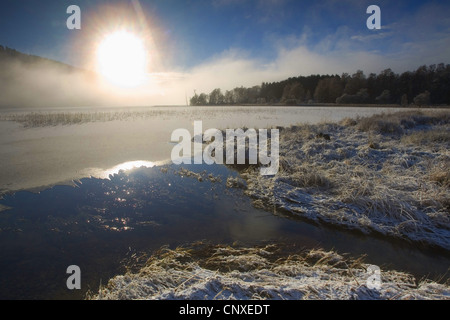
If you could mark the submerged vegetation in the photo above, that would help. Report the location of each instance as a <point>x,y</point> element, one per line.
<point>45,119</point>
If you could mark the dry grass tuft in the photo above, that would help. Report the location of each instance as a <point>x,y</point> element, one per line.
<point>397,123</point>
<point>380,124</point>
<point>428,137</point>
<point>307,177</point>
<point>348,122</point>
<point>440,174</point>
<point>219,272</point>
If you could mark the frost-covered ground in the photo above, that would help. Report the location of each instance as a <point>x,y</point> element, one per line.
<point>206,272</point>
<point>388,174</point>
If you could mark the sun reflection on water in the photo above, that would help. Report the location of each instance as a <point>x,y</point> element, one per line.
<point>126,166</point>
<point>129,166</point>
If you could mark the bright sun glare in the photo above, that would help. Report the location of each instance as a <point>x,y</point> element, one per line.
<point>122,60</point>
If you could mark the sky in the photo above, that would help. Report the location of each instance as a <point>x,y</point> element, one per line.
<point>203,44</point>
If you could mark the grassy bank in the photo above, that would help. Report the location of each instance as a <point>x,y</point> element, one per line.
<point>209,272</point>
<point>387,174</point>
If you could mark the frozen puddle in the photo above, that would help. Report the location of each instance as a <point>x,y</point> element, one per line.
<point>102,224</point>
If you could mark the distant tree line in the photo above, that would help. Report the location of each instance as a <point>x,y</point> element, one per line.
<point>428,85</point>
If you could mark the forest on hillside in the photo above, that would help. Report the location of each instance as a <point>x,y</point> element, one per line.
<point>428,85</point>
<point>32,81</point>
<point>9,56</point>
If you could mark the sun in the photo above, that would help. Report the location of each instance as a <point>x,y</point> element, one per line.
<point>122,59</point>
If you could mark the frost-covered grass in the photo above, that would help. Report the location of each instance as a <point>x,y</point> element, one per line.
<point>207,272</point>
<point>397,123</point>
<point>387,173</point>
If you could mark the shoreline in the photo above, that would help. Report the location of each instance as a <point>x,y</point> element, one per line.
<point>382,144</point>
<point>43,149</point>
<point>331,105</point>
<point>5,111</point>
<point>292,238</point>
<point>202,271</point>
<point>392,165</point>
<point>384,174</point>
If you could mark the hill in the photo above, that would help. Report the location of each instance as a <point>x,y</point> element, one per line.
<point>33,81</point>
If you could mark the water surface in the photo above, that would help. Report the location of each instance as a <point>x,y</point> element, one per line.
<point>101,223</point>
